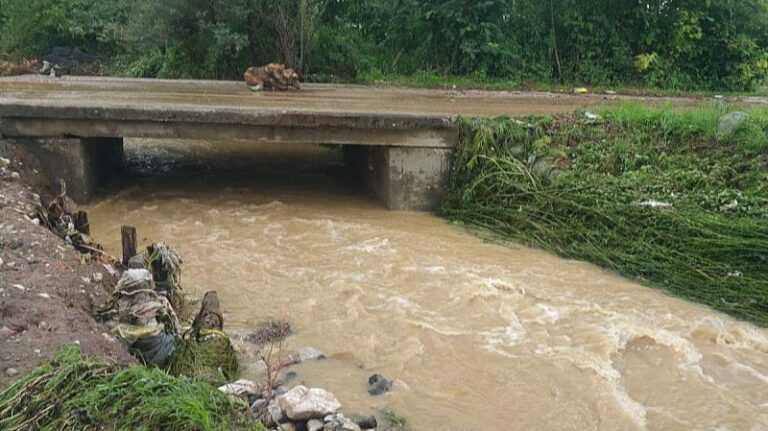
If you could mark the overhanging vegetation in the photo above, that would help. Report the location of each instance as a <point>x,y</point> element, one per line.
<point>652,194</point>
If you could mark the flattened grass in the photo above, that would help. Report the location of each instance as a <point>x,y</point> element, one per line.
<point>652,194</point>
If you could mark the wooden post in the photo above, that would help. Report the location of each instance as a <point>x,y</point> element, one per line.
<point>128,235</point>
<point>81,222</point>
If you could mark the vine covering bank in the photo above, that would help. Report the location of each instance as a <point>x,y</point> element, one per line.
<point>676,199</point>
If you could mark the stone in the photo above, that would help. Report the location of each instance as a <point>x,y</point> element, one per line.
<point>240,388</point>
<point>15,176</point>
<point>378,385</point>
<point>301,403</point>
<point>276,412</point>
<point>287,426</point>
<point>11,372</point>
<point>291,375</point>
<point>365,422</point>
<point>349,425</point>
<point>315,425</point>
<point>730,123</point>
<point>4,163</point>
<point>258,405</point>
<point>308,353</point>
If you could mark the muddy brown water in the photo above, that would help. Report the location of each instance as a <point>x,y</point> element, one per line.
<point>486,336</point>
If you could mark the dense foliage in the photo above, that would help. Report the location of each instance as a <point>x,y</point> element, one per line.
<point>655,195</point>
<point>679,44</point>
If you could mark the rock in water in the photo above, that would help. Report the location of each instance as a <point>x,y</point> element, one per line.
<point>378,385</point>
<point>365,422</point>
<point>729,124</point>
<point>301,403</point>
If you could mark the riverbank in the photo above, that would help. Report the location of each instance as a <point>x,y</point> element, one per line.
<point>674,199</point>
<point>48,289</point>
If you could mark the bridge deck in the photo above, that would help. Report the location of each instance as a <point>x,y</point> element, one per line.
<point>117,107</point>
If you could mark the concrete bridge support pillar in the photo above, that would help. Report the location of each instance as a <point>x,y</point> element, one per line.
<point>404,178</point>
<point>83,163</point>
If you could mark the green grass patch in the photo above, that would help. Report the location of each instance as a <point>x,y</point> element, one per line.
<point>652,194</point>
<point>76,393</point>
<point>424,79</point>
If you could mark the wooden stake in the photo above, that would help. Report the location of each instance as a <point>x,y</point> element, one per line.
<point>128,235</point>
<point>81,222</point>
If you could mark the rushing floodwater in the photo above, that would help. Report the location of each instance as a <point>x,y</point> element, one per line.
<point>487,337</point>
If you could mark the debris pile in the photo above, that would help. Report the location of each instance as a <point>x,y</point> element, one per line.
<point>144,314</point>
<point>272,76</point>
<point>60,213</point>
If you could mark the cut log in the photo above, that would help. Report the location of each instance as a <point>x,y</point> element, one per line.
<point>128,235</point>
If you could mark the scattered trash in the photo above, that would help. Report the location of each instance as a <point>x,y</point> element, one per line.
<point>580,90</point>
<point>591,116</point>
<point>657,205</point>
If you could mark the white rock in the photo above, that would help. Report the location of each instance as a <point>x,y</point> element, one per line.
<point>4,162</point>
<point>44,295</point>
<point>308,353</point>
<point>11,372</point>
<point>15,176</point>
<point>239,388</point>
<point>97,276</point>
<point>20,287</point>
<point>301,403</point>
<point>288,426</point>
<point>315,425</point>
<point>350,426</point>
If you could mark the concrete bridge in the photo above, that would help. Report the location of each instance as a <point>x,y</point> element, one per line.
<point>399,141</point>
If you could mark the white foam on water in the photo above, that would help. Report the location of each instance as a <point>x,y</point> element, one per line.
<point>714,329</point>
<point>498,340</point>
<point>623,331</point>
<point>370,245</point>
<point>436,270</point>
<point>548,314</point>
<point>439,330</point>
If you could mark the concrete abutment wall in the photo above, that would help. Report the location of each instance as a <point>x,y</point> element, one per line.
<point>404,178</point>
<point>84,163</point>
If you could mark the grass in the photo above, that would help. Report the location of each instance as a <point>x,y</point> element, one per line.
<point>583,189</point>
<point>478,82</point>
<point>76,393</point>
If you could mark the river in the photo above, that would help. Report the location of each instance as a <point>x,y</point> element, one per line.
<point>486,336</point>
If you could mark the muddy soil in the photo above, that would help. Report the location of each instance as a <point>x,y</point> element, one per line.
<point>47,289</point>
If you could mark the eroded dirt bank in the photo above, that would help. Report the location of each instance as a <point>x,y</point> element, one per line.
<point>46,287</point>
